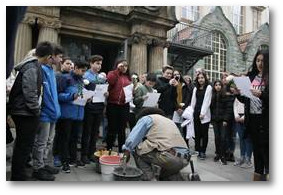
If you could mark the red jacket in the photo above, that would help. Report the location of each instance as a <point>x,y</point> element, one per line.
<point>117,81</point>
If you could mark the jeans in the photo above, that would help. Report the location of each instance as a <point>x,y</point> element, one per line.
<point>118,117</point>
<point>170,165</point>
<point>260,140</point>
<point>43,145</point>
<point>90,133</point>
<point>220,133</point>
<point>26,127</point>
<point>246,146</point>
<point>70,131</point>
<point>201,135</point>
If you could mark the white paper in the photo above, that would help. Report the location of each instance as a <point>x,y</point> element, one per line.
<point>244,84</point>
<point>99,92</point>
<point>152,100</point>
<point>81,101</point>
<point>128,90</point>
<point>177,118</point>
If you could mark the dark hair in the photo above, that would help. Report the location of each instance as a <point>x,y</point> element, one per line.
<point>80,64</point>
<point>118,61</point>
<point>253,71</point>
<point>205,77</point>
<point>65,59</point>
<point>57,49</point>
<point>165,67</point>
<point>44,49</point>
<point>95,58</point>
<point>151,77</point>
<point>149,111</point>
<point>215,94</point>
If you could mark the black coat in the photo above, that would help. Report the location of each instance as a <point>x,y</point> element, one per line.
<point>187,92</point>
<point>168,98</point>
<point>25,93</point>
<point>221,107</point>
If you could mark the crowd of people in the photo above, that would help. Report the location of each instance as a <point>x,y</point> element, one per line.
<point>49,124</point>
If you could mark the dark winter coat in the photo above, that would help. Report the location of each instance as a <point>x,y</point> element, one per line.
<point>168,98</point>
<point>221,107</point>
<point>26,91</point>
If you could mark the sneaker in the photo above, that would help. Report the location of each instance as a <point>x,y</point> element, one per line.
<point>72,163</point>
<point>43,175</point>
<point>80,164</point>
<point>247,164</point>
<point>51,170</point>
<point>202,156</point>
<point>57,162</point>
<point>239,162</point>
<point>85,160</point>
<point>66,168</point>
<point>216,158</point>
<point>223,161</point>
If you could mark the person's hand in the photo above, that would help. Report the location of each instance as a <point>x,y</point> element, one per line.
<point>224,124</point>
<point>201,116</point>
<point>256,92</point>
<point>126,156</point>
<point>180,111</point>
<point>145,97</point>
<point>237,119</point>
<point>76,96</point>
<point>173,82</point>
<point>106,94</point>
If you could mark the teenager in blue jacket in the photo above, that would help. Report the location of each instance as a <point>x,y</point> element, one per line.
<point>72,115</point>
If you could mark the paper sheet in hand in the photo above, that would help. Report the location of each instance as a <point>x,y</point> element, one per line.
<point>244,84</point>
<point>128,90</point>
<point>177,118</point>
<point>99,92</point>
<point>152,100</point>
<point>81,101</point>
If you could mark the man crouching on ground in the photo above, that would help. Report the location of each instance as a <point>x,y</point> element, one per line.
<point>156,140</point>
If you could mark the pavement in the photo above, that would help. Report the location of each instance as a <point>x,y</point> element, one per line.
<point>207,169</point>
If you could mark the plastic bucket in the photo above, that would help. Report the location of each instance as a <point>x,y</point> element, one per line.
<point>100,153</point>
<point>108,163</point>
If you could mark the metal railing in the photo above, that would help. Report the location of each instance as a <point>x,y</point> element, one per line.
<point>190,35</point>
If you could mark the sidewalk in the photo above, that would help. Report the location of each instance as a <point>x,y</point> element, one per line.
<point>207,169</point>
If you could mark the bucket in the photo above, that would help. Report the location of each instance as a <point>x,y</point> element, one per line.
<point>131,174</point>
<point>100,153</point>
<point>108,163</point>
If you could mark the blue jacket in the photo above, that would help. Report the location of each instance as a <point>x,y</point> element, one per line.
<point>93,78</point>
<point>50,109</point>
<point>69,85</point>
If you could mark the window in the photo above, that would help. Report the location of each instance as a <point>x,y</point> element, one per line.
<point>256,19</point>
<point>237,19</point>
<point>215,64</point>
<point>190,13</point>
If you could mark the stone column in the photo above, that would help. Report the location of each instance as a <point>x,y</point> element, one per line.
<point>49,30</point>
<point>23,43</point>
<point>138,62</point>
<point>156,55</point>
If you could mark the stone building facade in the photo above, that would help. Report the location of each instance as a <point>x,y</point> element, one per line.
<point>238,49</point>
<point>137,33</point>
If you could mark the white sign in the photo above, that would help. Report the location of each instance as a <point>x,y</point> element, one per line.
<point>99,92</point>
<point>128,90</point>
<point>152,100</point>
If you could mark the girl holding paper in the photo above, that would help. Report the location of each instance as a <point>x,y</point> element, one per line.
<point>256,114</point>
<point>118,108</point>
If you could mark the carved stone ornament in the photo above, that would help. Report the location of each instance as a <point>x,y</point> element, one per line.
<point>139,38</point>
<point>152,8</point>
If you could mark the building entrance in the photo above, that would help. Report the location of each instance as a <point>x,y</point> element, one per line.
<point>81,49</point>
